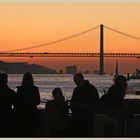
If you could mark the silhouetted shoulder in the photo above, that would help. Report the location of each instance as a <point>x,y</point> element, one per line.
<point>87,83</point>
<point>116,90</point>
<point>32,89</point>
<point>48,104</point>
<point>91,88</point>
<point>12,94</point>
<point>35,87</point>
<point>31,86</point>
<point>11,91</point>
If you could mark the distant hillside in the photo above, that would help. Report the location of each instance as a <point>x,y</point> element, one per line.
<point>19,68</point>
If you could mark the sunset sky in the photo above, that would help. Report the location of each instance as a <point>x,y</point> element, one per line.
<point>55,1</point>
<point>25,23</point>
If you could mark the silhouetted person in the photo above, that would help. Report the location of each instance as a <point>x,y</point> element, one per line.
<point>57,112</point>
<point>6,103</point>
<point>114,104</point>
<point>26,105</point>
<point>84,103</point>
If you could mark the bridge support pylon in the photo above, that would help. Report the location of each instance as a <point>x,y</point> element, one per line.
<point>101,69</point>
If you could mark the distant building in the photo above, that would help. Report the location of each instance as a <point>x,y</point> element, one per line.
<point>71,69</point>
<point>61,71</point>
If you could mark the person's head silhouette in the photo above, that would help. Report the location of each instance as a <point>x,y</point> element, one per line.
<point>3,79</point>
<point>27,79</point>
<point>121,80</point>
<point>57,93</point>
<point>78,79</point>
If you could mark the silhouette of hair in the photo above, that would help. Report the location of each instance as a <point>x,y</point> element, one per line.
<point>27,79</point>
<point>3,78</point>
<point>57,93</point>
<point>121,81</point>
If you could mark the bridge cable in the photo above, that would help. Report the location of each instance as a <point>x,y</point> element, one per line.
<point>53,42</point>
<point>128,35</point>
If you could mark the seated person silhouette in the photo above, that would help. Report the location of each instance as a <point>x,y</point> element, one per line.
<point>114,105</point>
<point>57,112</point>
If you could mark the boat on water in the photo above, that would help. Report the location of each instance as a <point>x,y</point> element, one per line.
<point>135,75</point>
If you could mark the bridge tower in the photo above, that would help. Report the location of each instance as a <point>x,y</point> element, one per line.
<point>101,69</point>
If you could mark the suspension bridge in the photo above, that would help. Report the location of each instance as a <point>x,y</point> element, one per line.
<point>101,54</point>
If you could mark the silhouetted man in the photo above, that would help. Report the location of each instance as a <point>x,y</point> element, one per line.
<point>84,103</point>
<point>6,102</point>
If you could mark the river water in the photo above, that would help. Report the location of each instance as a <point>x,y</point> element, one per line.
<point>47,82</point>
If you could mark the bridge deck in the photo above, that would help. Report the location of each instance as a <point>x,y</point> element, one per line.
<point>45,54</point>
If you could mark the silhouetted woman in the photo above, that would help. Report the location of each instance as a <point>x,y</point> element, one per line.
<point>114,104</point>
<point>57,112</point>
<point>26,105</point>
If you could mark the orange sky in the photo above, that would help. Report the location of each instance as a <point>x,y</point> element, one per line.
<point>24,25</point>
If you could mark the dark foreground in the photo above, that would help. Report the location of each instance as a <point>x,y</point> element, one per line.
<point>104,126</point>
